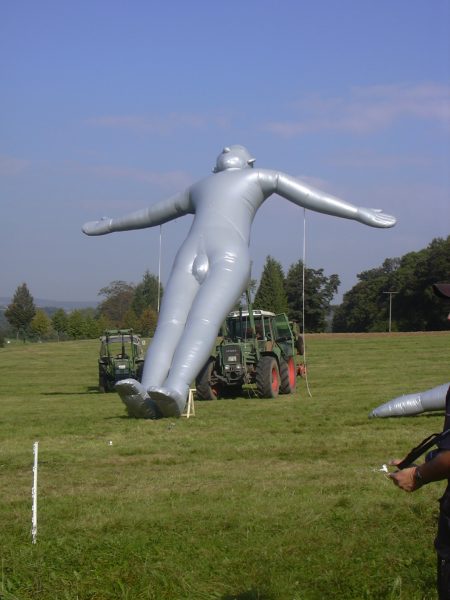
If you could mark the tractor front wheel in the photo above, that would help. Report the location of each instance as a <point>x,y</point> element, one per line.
<point>288,375</point>
<point>267,377</point>
<point>205,389</point>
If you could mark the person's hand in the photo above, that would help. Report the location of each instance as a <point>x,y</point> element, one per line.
<point>404,479</point>
<point>375,217</point>
<point>98,227</point>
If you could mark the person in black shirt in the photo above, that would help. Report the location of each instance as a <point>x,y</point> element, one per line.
<point>436,468</point>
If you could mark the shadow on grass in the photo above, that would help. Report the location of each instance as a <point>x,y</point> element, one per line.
<point>249,595</point>
<point>89,390</point>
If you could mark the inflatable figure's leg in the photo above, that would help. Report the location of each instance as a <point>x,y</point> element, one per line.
<point>177,301</point>
<point>216,297</point>
<point>136,399</point>
<point>413,404</point>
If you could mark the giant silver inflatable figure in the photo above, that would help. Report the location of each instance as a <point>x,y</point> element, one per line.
<point>211,269</point>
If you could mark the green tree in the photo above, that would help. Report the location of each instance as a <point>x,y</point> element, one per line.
<point>41,324</point>
<point>319,292</point>
<point>131,321</point>
<point>271,294</point>
<point>414,306</point>
<point>146,294</point>
<point>118,300</point>
<point>102,324</point>
<point>365,306</point>
<point>21,311</point>
<point>148,321</point>
<point>59,322</point>
<point>76,326</point>
<point>92,327</point>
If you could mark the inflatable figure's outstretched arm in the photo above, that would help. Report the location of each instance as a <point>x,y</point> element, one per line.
<point>413,404</point>
<point>308,197</point>
<point>159,213</point>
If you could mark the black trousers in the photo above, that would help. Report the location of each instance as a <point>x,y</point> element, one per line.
<point>443,578</point>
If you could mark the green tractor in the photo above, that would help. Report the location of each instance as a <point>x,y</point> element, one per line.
<point>121,356</point>
<point>254,347</point>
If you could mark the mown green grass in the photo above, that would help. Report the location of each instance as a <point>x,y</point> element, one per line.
<point>250,499</point>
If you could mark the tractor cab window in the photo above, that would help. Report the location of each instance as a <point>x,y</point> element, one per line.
<point>267,328</point>
<point>282,331</point>
<point>237,327</point>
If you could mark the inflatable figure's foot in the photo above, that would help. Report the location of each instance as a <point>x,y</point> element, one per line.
<point>138,403</point>
<point>170,402</point>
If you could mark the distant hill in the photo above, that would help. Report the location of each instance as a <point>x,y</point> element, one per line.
<point>44,303</point>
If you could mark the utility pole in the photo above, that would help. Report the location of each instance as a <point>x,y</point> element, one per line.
<point>390,307</point>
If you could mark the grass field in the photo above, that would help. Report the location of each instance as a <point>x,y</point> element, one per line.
<point>250,499</point>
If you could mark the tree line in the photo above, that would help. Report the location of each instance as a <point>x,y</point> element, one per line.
<point>407,282</point>
<point>398,292</point>
<point>124,305</point>
<point>279,293</point>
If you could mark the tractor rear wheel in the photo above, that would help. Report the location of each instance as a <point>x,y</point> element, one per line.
<point>288,376</point>
<point>205,390</point>
<point>267,377</point>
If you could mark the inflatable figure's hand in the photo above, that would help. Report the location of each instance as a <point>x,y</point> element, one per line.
<point>98,227</point>
<point>375,217</point>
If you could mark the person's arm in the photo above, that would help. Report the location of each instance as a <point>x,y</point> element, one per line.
<point>159,213</point>
<point>298,192</point>
<point>414,477</point>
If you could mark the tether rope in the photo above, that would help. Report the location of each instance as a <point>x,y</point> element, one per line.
<point>159,266</point>
<point>303,303</point>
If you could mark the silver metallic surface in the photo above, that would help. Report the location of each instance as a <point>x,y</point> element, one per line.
<point>212,267</point>
<point>413,404</point>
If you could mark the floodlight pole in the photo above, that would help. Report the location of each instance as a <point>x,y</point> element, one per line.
<point>390,307</point>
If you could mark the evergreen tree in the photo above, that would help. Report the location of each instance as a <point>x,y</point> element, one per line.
<point>21,311</point>
<point>271,294</point>
<point>319,292</point>
<point>146,294</point>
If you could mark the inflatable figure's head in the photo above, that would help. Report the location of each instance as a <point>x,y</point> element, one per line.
<point>233,157</point>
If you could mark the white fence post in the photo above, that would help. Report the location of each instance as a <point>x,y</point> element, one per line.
<point>34,493</point>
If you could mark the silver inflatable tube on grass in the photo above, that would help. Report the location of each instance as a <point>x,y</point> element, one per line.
<point>413,404</point>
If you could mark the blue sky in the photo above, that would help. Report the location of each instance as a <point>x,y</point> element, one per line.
<point>107,107</point>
